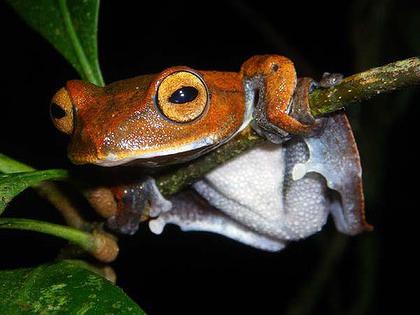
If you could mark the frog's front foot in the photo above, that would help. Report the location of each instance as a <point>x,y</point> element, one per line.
<point>280,125</point>
<point>137,203</point>
<point>279,100</point>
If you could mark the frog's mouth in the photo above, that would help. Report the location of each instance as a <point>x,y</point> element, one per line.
<point>160,158</point>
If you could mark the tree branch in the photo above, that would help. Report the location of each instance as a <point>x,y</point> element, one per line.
<point>365,85</point>
<point>355,88</point>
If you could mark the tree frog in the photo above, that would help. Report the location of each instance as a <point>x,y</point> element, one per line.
<point>281,191</point>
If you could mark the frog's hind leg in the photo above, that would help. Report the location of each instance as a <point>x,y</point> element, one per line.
<point>333,154</point>
<point>191,212</point>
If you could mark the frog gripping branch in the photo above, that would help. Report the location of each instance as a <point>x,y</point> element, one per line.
<point>258,156</point>
<point>181,114</point>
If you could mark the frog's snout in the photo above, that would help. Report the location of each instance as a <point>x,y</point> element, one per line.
<point>61,111</point>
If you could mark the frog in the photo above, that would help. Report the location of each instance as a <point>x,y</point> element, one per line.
<point>281,191</point>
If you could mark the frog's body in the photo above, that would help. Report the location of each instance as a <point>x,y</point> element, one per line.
<point>272,194</point>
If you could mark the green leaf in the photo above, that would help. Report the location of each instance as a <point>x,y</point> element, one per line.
<point>61,288</point>
<point>9,165</point>
<point>71,27</point>
<point>14,183</point>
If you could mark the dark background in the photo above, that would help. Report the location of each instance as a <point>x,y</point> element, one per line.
<point>199,273</point>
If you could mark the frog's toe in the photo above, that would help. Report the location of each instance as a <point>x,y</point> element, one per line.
<point>330,79</point>
<point>124,224</point>
<point>278,126</point>
<point>137,203</point>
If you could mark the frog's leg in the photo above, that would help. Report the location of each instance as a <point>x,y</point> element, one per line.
<point>333,154</point>
<point>270,82</point>
<point>191,212</point>
<point>127,205</point>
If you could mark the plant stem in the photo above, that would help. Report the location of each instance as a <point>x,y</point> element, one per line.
<point>100,245</point>
<point>82,239</point>
<point>305,302</point>
<point>64,205</point>
<point>355,88</point>
<point>367,280</point>
<point>80,53</point>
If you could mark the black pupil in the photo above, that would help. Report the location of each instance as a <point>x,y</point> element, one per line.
<point>57,112</point>
<point>183,95</point>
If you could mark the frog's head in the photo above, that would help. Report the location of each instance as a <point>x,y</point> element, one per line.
<point>158,119</point>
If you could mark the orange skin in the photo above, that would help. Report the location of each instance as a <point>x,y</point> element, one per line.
<point>121,122</point>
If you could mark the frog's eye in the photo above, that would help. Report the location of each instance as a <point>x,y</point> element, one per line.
<point>61,111</point>
<point>182,96</point>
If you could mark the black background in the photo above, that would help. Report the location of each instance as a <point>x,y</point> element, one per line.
<point>199,273</point>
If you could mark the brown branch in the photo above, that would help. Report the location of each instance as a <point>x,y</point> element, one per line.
<point>355,88</point>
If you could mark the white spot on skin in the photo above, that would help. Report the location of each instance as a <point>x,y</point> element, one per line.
<point>209,140</point>
<point>157,225</point>
<point>298,171</point>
